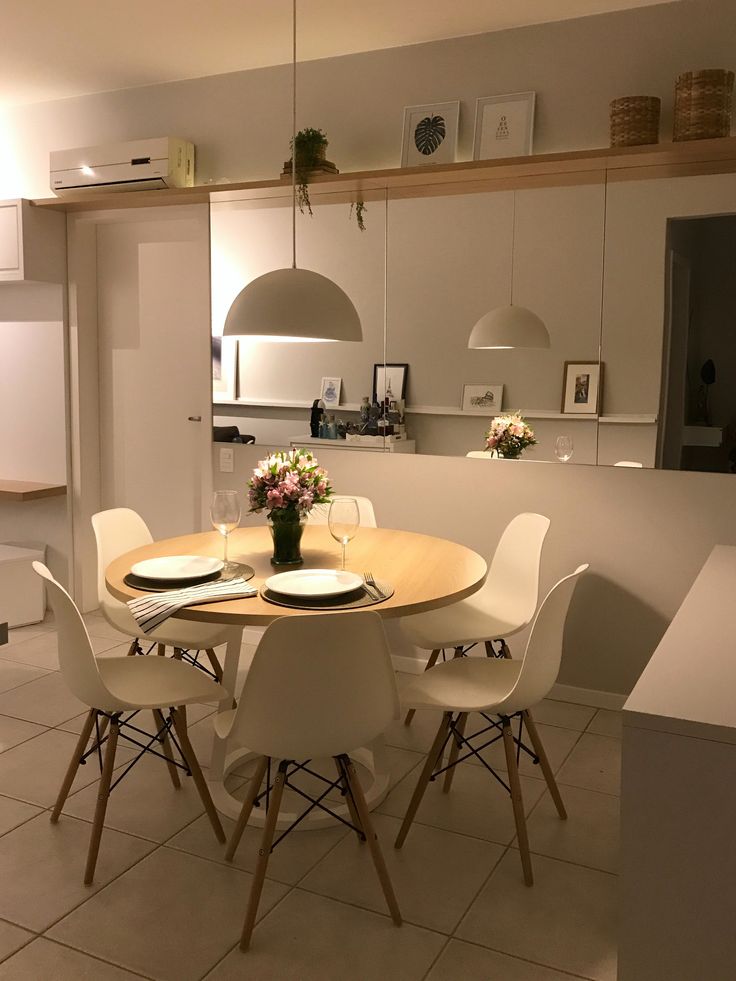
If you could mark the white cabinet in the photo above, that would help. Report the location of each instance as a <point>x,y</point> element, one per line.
<point>32,243</point>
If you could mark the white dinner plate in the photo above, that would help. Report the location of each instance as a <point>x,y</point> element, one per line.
<point>314,582</point>
<point>177,567</point>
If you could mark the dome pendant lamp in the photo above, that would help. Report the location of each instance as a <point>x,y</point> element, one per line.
<point>293,304</point>
<point>509,326</point>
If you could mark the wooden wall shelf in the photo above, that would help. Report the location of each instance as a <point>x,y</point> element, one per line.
<point>693,158</point>
<point>29,490</point>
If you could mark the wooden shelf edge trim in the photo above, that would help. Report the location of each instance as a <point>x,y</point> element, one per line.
<point>29,490</point>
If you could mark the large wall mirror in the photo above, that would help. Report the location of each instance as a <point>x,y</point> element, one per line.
<point>633,279</point>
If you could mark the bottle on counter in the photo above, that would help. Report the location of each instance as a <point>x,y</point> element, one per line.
<point>365,409</point>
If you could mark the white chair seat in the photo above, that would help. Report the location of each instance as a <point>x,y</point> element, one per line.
<point>155,682</point>
<point>467,622</point>
<point>464,685</point>
<point>174,632</point>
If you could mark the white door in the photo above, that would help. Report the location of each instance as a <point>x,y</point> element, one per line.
<point>155,368</point>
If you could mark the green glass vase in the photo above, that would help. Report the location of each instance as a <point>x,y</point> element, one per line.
<point>286,531</point>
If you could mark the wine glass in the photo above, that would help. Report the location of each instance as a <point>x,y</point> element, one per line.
<point>225,516</point>
<point>563,448</point>
<point>343,521</point>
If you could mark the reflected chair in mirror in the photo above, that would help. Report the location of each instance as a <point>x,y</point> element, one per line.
<point>504,605</point>
<point>498,690</point>
<point>319,687</point>
<point>230,434</point>
<point>319,515</point>
<point>115,689</point>
<point>120,530</point>
<point>628,463</point>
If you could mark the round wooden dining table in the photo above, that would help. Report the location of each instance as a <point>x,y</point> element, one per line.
<point>425,572</point>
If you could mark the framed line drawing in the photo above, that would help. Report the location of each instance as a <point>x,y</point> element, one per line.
<point>389,379</point>
<point>330,392</point>
<point>504,126</point>
<point>482,399</point>
<point>581,387</point>
<point>430,134</point>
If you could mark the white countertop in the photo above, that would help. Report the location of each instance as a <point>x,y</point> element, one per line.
<point>689,685</point>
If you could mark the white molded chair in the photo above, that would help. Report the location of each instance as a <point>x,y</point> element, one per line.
<point>120,530</point>
<point>504,605</point>
<point>319,514</point>
<point>501,688</point>
<point>116,685</point>
<point>319,686</point>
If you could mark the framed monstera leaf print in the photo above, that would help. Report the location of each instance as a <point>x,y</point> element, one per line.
<point>430,134</point>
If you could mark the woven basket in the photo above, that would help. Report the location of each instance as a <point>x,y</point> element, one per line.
<point>703,105</point>
<point>635,120</point>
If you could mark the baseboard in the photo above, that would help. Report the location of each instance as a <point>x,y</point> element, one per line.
<point>559,693</point>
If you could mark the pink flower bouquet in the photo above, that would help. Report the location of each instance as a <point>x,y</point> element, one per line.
<point>509,436</point>
<point>290,482</point>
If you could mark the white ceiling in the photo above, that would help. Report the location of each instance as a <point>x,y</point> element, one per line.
<point>58,50</point>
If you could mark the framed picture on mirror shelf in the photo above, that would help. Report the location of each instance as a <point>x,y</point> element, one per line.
<point>504,126</point>
<point>224,369</point>
<point>430,134</point>
<point>482,399</point>
<point>330,392</point>
<point>582,385</point>
<point>389,380</point>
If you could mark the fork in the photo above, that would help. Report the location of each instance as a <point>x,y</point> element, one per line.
<point>371,582</point>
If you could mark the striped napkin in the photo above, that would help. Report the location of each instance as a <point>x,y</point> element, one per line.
<point>150,611</point>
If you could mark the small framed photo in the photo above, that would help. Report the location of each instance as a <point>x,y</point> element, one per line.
<point>504,125</point>
<point>430,134</point>
<point>582,382</point>
<point>224,368</point>
<point>482,399</point>
<point>389,380</point>
<point>330,392</point>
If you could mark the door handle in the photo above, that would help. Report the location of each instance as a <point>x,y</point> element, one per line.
<point>194,418</point>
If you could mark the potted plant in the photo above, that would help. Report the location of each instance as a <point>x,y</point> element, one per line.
<point>309,147</point>
<point>509,436</point>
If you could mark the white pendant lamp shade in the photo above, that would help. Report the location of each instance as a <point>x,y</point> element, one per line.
<point>507,327</point>
<point>293,305</point>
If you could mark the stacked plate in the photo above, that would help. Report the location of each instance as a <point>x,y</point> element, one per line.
<point>174,572</point>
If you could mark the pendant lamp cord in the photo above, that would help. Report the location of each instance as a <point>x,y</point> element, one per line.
<point>293,137</point>
<point>513,246</point>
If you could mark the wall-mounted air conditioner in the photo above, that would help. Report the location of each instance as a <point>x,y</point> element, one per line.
<point>134,166</point>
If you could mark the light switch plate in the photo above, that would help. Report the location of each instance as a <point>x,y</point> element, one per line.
<point>226,460</point>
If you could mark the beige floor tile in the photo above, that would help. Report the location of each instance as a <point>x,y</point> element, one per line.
<point>550,712</point>
<point>594,764</point>
<point>567,919</point>
<point>418,736</point>
<point>13,674</point>
<point>18,634</point>
<point>42,651</point>
<point>477,805</point>
<point>46,701</point>
<point>97,626</point>
<point>607,723</point>
<point>34,770</point>
<point>294,856</point>
<point>184,914</point>
<point>14,813</point>
<point>44,960</point>
<point>311,938</point>
<point>11,939</point>
<point>436,874</point>
<point>144,803</point>
<point>466,962</point>
<point>42,868</point>
<point>15,731</point>
<point>590,836</point>
<point>557,742</point>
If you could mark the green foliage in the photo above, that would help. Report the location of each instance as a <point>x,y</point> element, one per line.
<point>310,147</point>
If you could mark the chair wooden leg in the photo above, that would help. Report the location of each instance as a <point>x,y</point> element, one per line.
<point>177,653</point>
<point>454,753</point>
<point>372,839</point>
<point>263,855</point>
<point>429,764</point>
<point>179,716</point>
<point>215,664</point>
<point>245,811</point>
<point>133,649</point>
<point>431,661</point>
<point>161,650</point>
<point>348,794</point>
<point>103,794</point>
<point>549,776</point>
<point>516,799</point>
<point>505,649</point>
<point>71,772</point>
<point>160,724</point>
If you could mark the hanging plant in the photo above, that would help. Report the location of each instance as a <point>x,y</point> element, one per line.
<point>309,146</point>
<point>358,207</point>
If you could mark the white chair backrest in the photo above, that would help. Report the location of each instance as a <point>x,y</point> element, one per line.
<point>318,686</point>
<point>512,584</point>
<point>76,657</point>
<point>319,514</point>
<point>543,654</point>
<point>117,531</point>
<point>628,463</point>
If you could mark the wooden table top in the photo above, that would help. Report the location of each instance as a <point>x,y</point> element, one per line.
<point>426,572</point>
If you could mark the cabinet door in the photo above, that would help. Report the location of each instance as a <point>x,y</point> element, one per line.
<point>11,265</point>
